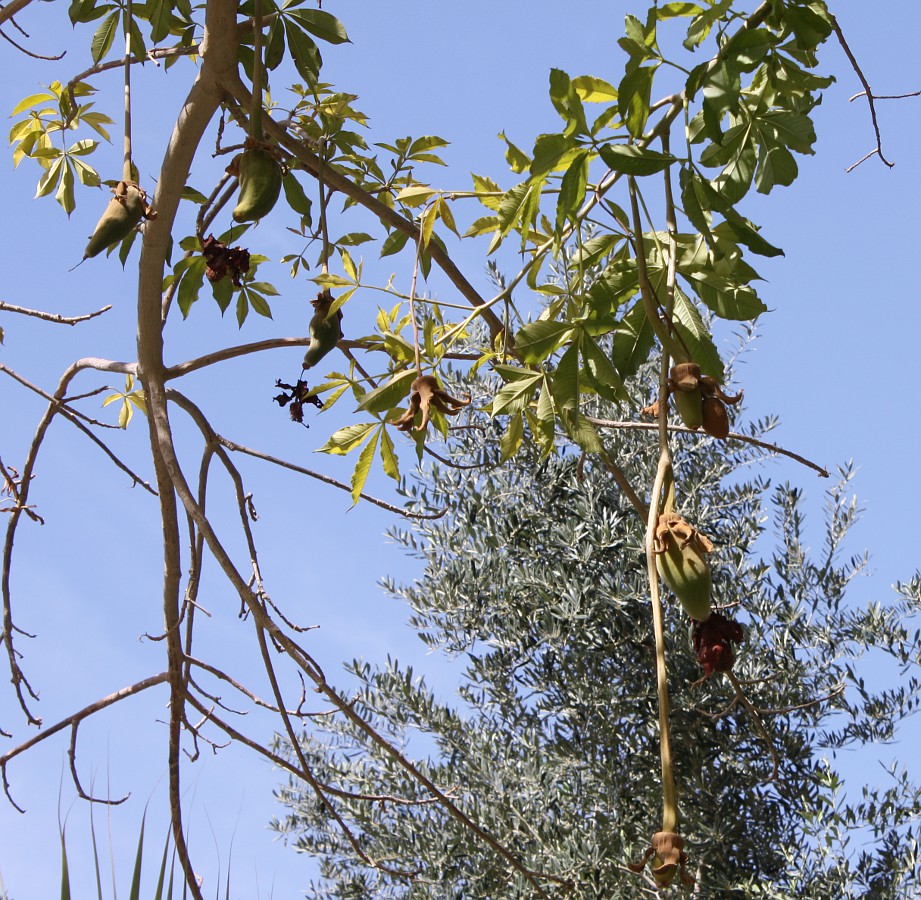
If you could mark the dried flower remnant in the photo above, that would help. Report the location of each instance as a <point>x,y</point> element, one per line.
<point>713,642</point>
<point>668,858</point>
<point>223,261</point>
<point>699,399</point>
<point>426,394</point>
<point>298,394</point>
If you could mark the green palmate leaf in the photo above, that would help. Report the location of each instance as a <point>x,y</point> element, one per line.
<point>295,196</point>
<point>386,396</point>
<point>600,372</point>
<point>519,207</point>
<point>394,243</point>
<point>746,233</point>
<point>695,200</point>
<point>304,52</point>
<point>388,456</point>
<point>565,386</point>
<point>488,191</point>
<point>512,437</point>
<point>552,152</point>
<point>275,45</point>
<point>629,159</point>
<point>483,225</point>
<point>776,165</point>
<point>633,341</point>
<point>696,336</point>
<point>537,340</point>
<point>363,466</point>
<point>725,298</point>
<point>347,439</point>
<point>516,395</point>
<point>321,24</point>
<point>191,283</point>
<point>104,36</point>
<point>160,14</point>
<point>572,189</point>
<point>633,95</point>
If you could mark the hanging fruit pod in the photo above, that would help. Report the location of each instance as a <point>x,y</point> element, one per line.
<point>681,561</point>
<point>124,212</point>
<point>260,177</point>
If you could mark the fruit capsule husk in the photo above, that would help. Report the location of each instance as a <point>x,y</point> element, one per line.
<point>260,184</point>
<point>690,407</point>
<point>686,571</point>
<point>120,217</point>
<point>715,420</point>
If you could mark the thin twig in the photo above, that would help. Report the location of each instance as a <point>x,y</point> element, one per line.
<point>868,92</point>
<point>733,435</point>
<point>52,317</point>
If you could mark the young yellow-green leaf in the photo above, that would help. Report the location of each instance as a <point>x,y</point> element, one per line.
<point>444,210</point>
<point>517,159</point>
<point>415,194</point>
<point>347,439</point>
<point>31,100</point>
<point>427,223</point>
<point>388,456</point>
<point>386,396</point>
<point>347,264</point>
<point>363,466</point>
<point>512,437</point>
<point>594,90</point>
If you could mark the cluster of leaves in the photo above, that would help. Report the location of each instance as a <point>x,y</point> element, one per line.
<point>536,579</point>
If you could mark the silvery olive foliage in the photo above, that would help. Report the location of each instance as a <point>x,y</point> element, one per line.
<point>535,582</point>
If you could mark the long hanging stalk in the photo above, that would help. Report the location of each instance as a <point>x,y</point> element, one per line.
<point>255,112</point>
<point>127,173</point>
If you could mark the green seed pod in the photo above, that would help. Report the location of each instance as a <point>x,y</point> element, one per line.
<point>122,214</point>
<point>681,561</point>
<point>260,183</point>
<point>690,407</point>
<point>325,330</point>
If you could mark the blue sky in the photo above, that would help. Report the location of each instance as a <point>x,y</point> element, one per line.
<point>834,360</point>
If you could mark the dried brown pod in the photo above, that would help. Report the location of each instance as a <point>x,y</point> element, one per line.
<point>426,394</point>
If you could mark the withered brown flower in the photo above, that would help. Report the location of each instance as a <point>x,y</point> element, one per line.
<point>223,260</point>
<point>713,642</point>
<point>700,400</point>
<point>426,394</point>
<point>669,858</point>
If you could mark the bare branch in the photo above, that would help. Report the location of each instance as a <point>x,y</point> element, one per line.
<point>868,93</point>
<point>52,317</point>
<point>72,721</point>
<point>733,435</point>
